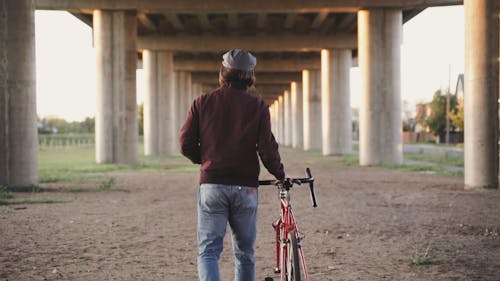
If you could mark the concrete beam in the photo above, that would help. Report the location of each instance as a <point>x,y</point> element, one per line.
<point>144,20</point>
<point>204,21</point>
<point>84,18</point>
<point>268,65</point>
<point>319,19</point>
<point>261,20</point>
<point>290,20</point>
<point>261,78</point>
<point>256,6</point>
<point>271,90</point>
<point>233,21</point>
<point>175,21</point>
<point>264,43</point>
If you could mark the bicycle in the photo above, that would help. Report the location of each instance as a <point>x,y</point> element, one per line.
<point>289,254</point>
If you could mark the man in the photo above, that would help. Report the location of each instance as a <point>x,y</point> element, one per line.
<point>224,132</point>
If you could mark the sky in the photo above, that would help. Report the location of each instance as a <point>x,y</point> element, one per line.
<point>432,56</point>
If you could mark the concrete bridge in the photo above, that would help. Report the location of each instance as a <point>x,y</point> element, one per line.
<point>304,50</point>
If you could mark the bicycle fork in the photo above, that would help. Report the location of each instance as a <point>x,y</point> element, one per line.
<point>282,245</point>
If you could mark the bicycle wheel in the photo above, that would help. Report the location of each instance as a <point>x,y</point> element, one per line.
<point>293,262</point>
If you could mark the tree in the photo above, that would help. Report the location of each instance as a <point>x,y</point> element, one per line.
<point>436,122</point>
<point>457,117</point>
<point>88,125</point>
<point>61,126</point>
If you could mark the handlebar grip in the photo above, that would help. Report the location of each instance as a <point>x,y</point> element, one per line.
<point>311,188</point>
<point>313,196</point>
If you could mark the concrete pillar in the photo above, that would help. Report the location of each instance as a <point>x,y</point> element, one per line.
<point>115,38</point>
<point>183,80</point>
<point>275,124</point>
<point>287,120</point>
<point>297,117</point>
<point>190,95</point>
<point>151,120</point>
<point>181,99</point>
<point>336,102</point>
<point>271,116</point>
<point>178,121</point>
<point>281,120</point>
<point>167,103</point>
<point>18,130</point>
<point>481,93</point>
<point>183,92</point>
<point>167,142</point>
<point>197,91</point>
<point>379,50</point>
<point>188,80</point>
<point>311,97</point>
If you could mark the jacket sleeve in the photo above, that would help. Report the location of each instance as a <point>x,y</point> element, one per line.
<point>267,147</point>
<point>190,135</point>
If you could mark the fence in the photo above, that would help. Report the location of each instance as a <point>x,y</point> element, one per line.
<point>65,140</point>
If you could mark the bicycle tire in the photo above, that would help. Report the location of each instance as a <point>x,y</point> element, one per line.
<point>293,262</point>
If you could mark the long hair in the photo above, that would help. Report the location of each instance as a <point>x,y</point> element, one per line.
<point>235,78</point>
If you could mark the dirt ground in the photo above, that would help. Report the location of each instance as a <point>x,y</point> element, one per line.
<point>369,223</point>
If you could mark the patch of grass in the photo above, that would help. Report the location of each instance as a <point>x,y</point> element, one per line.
<point>71,165</point>
<point>425,257</point>
<point>107,184</point>
<point>409,167</point>
<point>76,170</point>
<point>350,160</point>
<point>353,160</point>
<point>5,194</point>
<point>8,198</point>
<point>18,201</point>
<point>77,164</point>
<point>101,185</point>
<point>421,168</point>
<point>78,189</point>
<point>437,159</point>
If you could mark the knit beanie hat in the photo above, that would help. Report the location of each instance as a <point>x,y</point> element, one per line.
<point>239,59</point>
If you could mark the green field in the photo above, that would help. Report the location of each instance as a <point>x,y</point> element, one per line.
<point>72,168</point>
<point>71,164</point>
<point>67,163</point>
<point>420,163</point>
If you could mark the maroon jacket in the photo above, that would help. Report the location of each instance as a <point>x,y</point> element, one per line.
<point>224,131</point>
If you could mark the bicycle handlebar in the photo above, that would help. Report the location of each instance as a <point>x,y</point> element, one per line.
<point>288,183</point>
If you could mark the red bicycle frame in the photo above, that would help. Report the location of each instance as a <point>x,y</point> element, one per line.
<point>284,225</point>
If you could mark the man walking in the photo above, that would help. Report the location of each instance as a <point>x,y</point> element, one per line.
<point>225,131</point>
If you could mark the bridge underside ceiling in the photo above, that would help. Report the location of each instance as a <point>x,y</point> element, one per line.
<point>292,30</point>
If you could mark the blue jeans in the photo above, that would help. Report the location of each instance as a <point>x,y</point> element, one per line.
<point>218,205</point>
